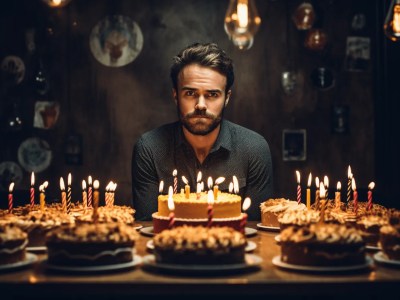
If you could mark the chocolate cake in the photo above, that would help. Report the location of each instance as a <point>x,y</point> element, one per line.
<point>13,243</point>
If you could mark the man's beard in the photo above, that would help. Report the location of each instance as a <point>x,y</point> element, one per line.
<point>200,127</point>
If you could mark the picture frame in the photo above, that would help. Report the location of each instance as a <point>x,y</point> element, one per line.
<point>294,144</point>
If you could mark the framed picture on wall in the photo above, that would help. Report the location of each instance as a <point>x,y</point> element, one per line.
<point>294,144</point>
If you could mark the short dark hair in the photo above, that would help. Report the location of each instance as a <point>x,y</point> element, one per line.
<point>207,55</point>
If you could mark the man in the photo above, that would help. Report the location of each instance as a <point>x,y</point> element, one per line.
<point>202,76</point>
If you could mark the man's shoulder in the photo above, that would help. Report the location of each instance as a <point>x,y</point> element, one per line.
<point>159,135</point>
<point>244,134</point>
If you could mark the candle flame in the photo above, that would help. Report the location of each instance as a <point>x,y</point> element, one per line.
<point>62,185</point>
<point>90,180</point>
<point>371,185</point>
<point>69,178</point>
<point>41,189</point>
<point>32,179</point>
<point>298,177</point>
<point>199,176</point>
<point>338,186</point>
<point>246,204</point>
<point>349,174</point>
<point>185,180</point>
<point>210,197</point>
<point>210,182</point>
<point>353,184</point>
<point>242,14</point>
<point>309,180</point>
<point>321,190</point>
<point>326,181</point>
<point>114,187</point>
<point>219,180</point>
<point>83,184</point>
<point>198,187</point>
<point>161,187</point>
<point>175,172</point>
<point>317,182</point>
<point>96,184</point>
<point>235,184</point>
<point>45,184</point>
<point>171,205</point>
<point>231,187</point>
<point>11,187</point>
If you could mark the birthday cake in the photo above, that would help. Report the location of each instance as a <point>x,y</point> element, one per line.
<point>193,211</point>
<point>91,244</point>
<point>322,245</point>
<point>389,238</point>
<point>272,208</point>
<point>13,243</point>
<point>121,214</point>
<point>298,218</point>
<point>198,245</point>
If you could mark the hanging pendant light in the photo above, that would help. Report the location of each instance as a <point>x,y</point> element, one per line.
<point>392,21</point>
<point>304,16</point>
<point>56,3</point>
<point>242,22</point>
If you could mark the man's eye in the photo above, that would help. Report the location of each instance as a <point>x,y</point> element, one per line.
<point>189,93</point>
<point>213,95</point>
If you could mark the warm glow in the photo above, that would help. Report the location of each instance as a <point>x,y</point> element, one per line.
<point>326,181</point>
<point>174,172</point>
<point>322,190</point>
<point>353,184</point>
<point>371,185</point>
<point>62,185</point>
<point>171,205</point>
<point>309,180</point>
<point>338,186</point>
<point>317,181</point>
<point>349,174</point>
<point>45,184</point>
<point>11,187</point>
<point>56,3</point>
<point>90,180</point>
<point>298,177</point>
<point>209,183</point>
<point>83,184</point>
<point>185,180</point>
<point>243,13</point>
<point>235,184</point>
<point>396,19</point>
<point>198,188</point>
<point>219,180</point>
<point>199,176</point>
<point>32,179</point>
<point>96,184</point>
<point>246,204</point>
<point>69,179</point>
<point>231,187</point>
<point>161,187</point>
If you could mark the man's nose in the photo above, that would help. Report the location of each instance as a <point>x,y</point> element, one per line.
<point>201,103</point>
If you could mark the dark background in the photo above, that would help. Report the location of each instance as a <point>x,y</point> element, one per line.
<point>108,108</point>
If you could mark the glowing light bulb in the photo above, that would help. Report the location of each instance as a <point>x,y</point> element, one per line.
<point>392,21</point>
<point>242,22</point>
<point>56,3</point>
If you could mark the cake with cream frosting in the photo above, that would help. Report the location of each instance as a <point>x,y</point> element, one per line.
<point>194,211</point>
<point>198,245</point>
<point>272,208</point>
<point>91,244</point>
<point>322,245</point>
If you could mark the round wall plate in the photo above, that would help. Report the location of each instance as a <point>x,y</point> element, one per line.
<point>116,41</point>
<point>9,172</point>
<point>13,69</point>
<point>34,155</point>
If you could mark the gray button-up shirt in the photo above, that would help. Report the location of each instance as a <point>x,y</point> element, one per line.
<point>237,151</point>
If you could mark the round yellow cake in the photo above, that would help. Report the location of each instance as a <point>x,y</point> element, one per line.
<point>225,206</point>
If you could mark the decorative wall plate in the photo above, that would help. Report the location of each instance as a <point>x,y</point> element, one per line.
<point>116,41</point>
<point>34,155</point>
<point>9,172</point>
<point>13,69</point>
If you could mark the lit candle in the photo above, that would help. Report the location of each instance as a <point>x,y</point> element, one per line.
<point>69,193</point>
<point>187,187</point>
<point>371,186</point>
<point>171,207</point>
<point>42,197</point>
<point>322,195</point>
<point>90,191</point>
<point>84,194</point>
<point>243,221</point>
<point>210,202</point>
<point>349,177</point>
<point>199,176</point>
<point>326,184</point>
<point>10,197</point>
<point>63,195</point>
<point>355,195</point>
<point>308,195</point>
<point>113,189</point>
<point>210,182</point>
<point>337,195</point>
<point>235,185</point>
<point>161,187</point>
<point>218,181</point>
<point>298,187</point>
<point>95,215</point>
<point>32,190</point>
<point>107,194</point>
<point>198,190</point>
<point>175,173</point>
<point>316,192</point>
<point>230,187</point>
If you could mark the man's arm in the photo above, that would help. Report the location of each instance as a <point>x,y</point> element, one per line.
<point>144,182</point>
<point>259,186</point>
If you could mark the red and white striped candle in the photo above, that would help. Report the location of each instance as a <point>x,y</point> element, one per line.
<point>371,186</point>
<point>32,190</point>
<point>90,191</point>
<point>10,197</point>
<point>298,187</point>
<point>210,211</point>
<point>355,195</point>
<point>175,174</point>
<point>171,207</point>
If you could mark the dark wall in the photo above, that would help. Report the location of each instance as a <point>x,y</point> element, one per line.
<point>110,107</point>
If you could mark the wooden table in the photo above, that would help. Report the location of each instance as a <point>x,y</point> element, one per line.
<point>37,281</point>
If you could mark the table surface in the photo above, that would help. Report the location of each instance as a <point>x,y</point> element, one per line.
<point>267,279</point>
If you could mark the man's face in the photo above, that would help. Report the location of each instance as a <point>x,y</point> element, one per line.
<point>200,98</point>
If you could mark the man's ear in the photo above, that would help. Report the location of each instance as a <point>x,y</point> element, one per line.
<point>228,96</point>
<point>174,95</point>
